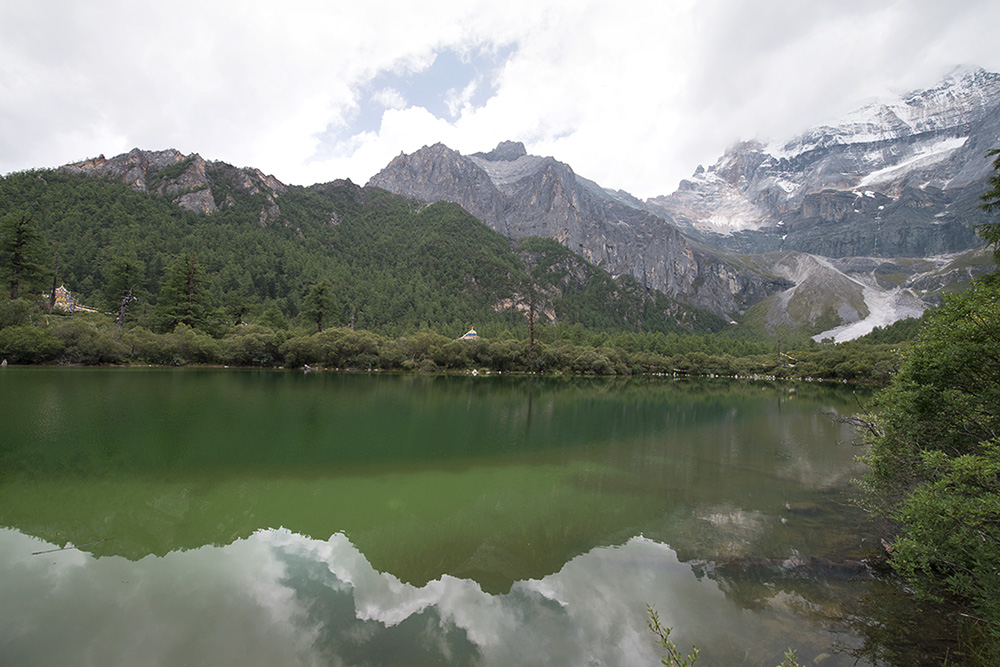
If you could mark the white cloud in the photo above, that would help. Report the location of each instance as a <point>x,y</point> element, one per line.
<point>631,94</point>
<point>282,598</point>
<point>460,100</point>
<point>390,98</point>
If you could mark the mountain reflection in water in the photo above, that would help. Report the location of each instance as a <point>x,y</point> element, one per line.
<point>281,518</point>
<point>282,598</point>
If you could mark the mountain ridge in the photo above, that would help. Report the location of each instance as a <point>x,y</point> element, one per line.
<point>922,154</point>
<point>540,196</point>
<point>894,180</point>
<point>396,264</point>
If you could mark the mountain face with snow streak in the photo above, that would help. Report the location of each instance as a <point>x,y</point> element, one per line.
<point>850,225</point>
<point>899,177</point>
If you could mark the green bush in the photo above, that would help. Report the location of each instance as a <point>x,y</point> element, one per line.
<point>952,539</point>
<point>86,341</point>
<point>17,312</point>
<point>26,344</point>
<point>301,351</point>
<point>933,465</point>
<point>252,346</point>
<point>147,347</point>
<point>193,345</point>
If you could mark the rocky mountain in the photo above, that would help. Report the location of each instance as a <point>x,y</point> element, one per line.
<point>398,264</point>
<point>187,180</point>
<point>852,224</point>
<point>900,177</point>
<point>810,228</point>
<point>521,195</point>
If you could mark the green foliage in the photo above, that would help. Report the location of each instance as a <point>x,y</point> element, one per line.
<point>991,202</point>
<point>22,250</point>
<point>87,340</point>
<point>336,348</point>
<point>184,297</point>
<point>933,458</point>
<point>27,344</point>
<point>252,346</point>
<point>951,544</point>
<point>319,304</point>
<point>148,347</point>
<point>20,311</point>
<point>122,286</point>
<point>674,657</point>
<point>273,318</point>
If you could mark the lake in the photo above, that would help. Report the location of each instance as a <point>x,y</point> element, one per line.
<point>210,516</point>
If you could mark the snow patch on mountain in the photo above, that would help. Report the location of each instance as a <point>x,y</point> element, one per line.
<point>884,306</point>
<point>955,101</point>
<point>924,156</point>
<point>712,204</point>
<point>505,173</point>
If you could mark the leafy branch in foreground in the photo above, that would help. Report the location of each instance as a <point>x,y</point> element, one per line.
<point>674,657</point>
<point>934,462</point>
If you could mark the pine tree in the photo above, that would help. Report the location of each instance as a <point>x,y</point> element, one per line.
<point>319,304</point>
<point>991,202</point>
<point>22,250</point>
<point>126,275</point>
<point>184,295</point>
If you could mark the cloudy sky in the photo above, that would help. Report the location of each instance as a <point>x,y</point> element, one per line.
<point>632,93</point>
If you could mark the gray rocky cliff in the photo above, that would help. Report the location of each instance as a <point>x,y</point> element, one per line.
<point>901,177</point>
<point>187,180</point>
<point>522,195</point>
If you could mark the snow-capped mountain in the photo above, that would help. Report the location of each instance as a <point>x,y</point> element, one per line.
<point>898,177</point>
<point>851,225</point>
<point>962,98</point>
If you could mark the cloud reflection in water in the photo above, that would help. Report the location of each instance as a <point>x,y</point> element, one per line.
<point>282,598</point>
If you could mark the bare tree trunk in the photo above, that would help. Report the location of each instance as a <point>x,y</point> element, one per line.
<point>127,300</point>
<point>531,323</point>
<point>55,281</point>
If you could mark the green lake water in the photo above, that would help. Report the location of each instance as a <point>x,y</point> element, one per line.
<point>222,517</point>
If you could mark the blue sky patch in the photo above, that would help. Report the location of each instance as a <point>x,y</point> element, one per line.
<point>453,80</point>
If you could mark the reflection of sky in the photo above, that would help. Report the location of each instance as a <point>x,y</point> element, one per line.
<point>281,598</point>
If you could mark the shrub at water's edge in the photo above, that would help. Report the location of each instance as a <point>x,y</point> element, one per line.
<point>934,458</point>
<point>29,334</point>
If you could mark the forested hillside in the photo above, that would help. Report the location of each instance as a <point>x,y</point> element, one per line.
<point>200,262</point>
<point>391,265</point>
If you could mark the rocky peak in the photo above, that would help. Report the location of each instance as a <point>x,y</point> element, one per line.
<point>522,195</point>
<point>438,173</point>
<point>506,151</point>
<point>132,168</point>
<point>187,180</point>
<point>758,197</point>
